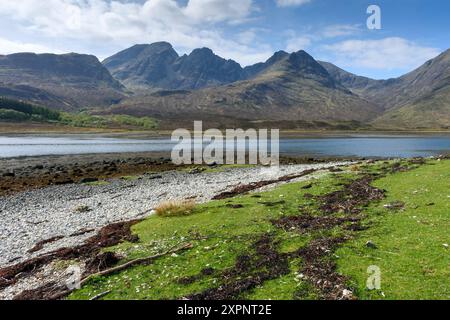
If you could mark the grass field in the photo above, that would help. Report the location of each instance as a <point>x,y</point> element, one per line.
<point>300,241</point>
<point>412,242</point>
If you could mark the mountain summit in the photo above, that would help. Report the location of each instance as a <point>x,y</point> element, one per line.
<point>144,65</point>
<point>158,66</point>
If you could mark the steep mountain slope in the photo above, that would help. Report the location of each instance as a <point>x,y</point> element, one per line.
<point>432,111</point>
<point>419,84</point>
<point>33,95</point>
<point>393,93</point>
<point>69,81</point>
<point>419,99</point>
<point>288,87</point>
<point>143,66</point>
<point>252,71</point>
<point>349,80</point>
<point>158,66</point>
<point>202,68</point>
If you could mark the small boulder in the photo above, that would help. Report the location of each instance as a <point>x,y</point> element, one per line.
<point>88,180</point>
<point>234,206</point>
<point>396,205</point>
<point>371,245</point>
<point>347,295</point>
<point>155,177</point>
<point>197,170</point>
<point>9,174</point>
<point>63,182</point>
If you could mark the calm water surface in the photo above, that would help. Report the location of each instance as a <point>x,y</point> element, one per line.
<point>321,146</point>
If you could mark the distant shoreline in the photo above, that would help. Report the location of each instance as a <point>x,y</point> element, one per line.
<point>13,128</point>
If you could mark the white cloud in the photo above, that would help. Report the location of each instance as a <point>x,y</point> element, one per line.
<point>298,43</point>
<point>114,19</point>
<point>116,24</point>
<point>384,54</point>
<point>218,10</point>
<point>103,27</point>
<point>310,35</point>
<point>339,30</point>
<point>8,47</point>
<point>291,3</point>
<point>247,36</point>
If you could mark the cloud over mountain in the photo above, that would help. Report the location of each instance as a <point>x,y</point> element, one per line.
<point>115,23</point>
<point>387,53</point>
<point>247,31</point>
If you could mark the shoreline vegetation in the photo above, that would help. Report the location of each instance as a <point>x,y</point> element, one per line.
<point>17,112</point>
<point>314,238</point>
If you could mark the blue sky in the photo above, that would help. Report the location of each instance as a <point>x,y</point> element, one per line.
<point>247,31</point>
<point>423,24</point>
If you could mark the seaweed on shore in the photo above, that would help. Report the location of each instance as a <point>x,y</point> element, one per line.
<point>243,189</point>
<point>318,266</point>
<point>249,271</point>
<point>90,251</point>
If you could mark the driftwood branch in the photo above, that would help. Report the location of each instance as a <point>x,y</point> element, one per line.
<point>127,265</point>
<point>134,263</point>
<point>101,295</point>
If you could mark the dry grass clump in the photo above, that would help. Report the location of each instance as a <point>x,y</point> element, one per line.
<point>175,208</point>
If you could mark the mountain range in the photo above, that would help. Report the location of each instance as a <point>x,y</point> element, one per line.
<point>158,66</point>
<point>153,80</point>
